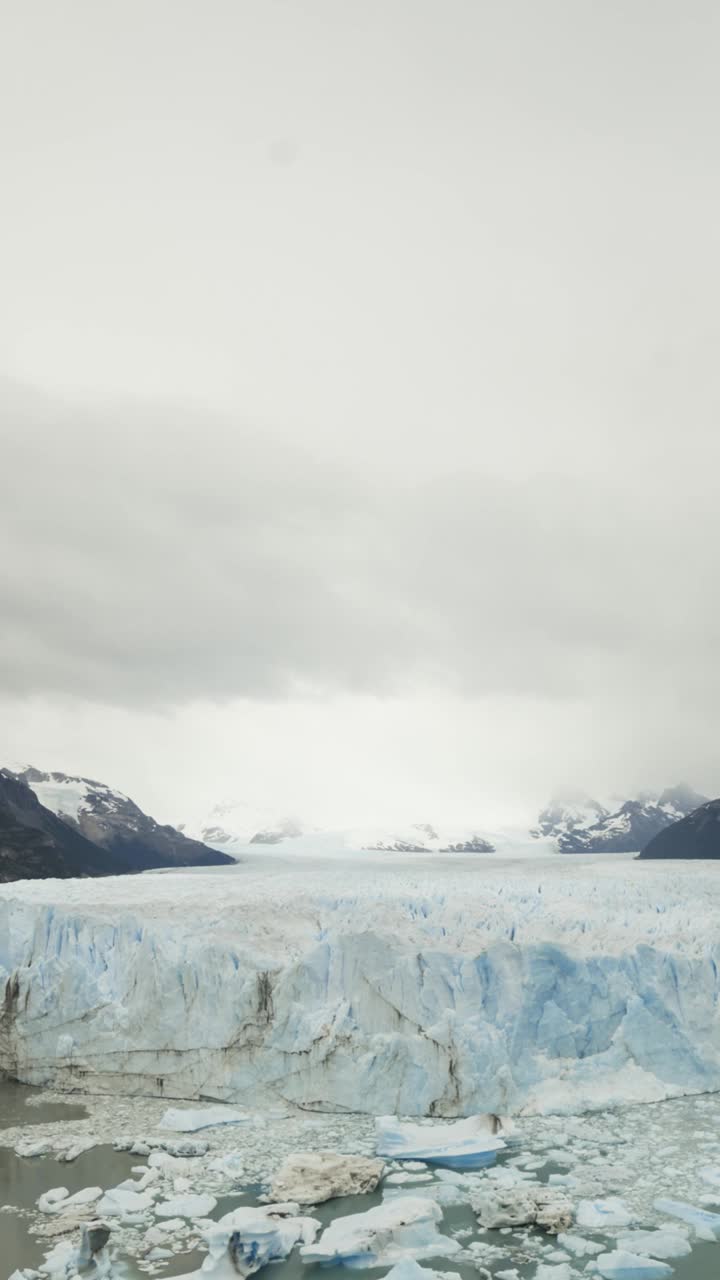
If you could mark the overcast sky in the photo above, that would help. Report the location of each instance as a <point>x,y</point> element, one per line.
<point>360,393</point>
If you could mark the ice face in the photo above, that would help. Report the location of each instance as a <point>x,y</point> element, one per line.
<point>447,993</point>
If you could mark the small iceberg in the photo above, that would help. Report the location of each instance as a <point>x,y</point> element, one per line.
<point>409,1269</point>
<point>664,1242</point>
<point>186,1206</point>
<point>249,1238</point>
<point>464,1144</point>
<point>619,1265</point>
<point>401,1228</point>
<point>598,1215</point>
<point>706,1224</point>
<point>190,1121</point>
<point>312,1177</point>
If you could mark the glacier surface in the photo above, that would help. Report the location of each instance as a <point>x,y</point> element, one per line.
<point>391,985</point>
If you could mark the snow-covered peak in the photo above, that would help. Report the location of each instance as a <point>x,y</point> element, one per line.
<point>70,796</point>
<point>233,825</point>
<point>624,827</point>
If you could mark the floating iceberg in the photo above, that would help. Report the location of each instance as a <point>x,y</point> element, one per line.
<point>313,1177</point>
<point>466,1144</point>
<point>514,1206</point>
<point>404,1227</point>
<point>408,1269</point>
<point>55,1202</point>
<point>706,1224</point>
<point>599,1215</point>
<point>91,1257</point>
<point>619,1265</point>
<point>189,1121</point>
<point>665,1242</point>
<point>186,1206</point>
<point>119,1203</point>
<point>249,1238</point>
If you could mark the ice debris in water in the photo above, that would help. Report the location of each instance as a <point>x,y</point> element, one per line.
<point>706,1224</point>
<point>578,1246</point>
<point>315,1176</point>
<point>59,1201</point>
<point>118,1203</point>
<point>91,1257</point>
<point>597,1215</point>
<point>465,1144</point>
<point>186,1206</point>
<point>249,1238</point>
<point>404,1227</point>
<point>511,1206</point>
<point>189,1121</point>
<point>619,1265</point>
<point>665,1242</point>
<point>409,1269</point>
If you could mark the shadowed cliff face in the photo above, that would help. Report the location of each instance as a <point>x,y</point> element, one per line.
<point>696,836</point>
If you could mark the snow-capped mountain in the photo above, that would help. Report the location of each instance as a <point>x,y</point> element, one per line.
<point>239,828</point>
<point>232,825</point>
<point>567,812</point>
<point>112,821</point>
<point>586,826</point>
<point>424,837</point>
<point>35,843</point>
<point>695,836</point>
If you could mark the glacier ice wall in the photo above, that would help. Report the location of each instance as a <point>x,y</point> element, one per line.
<point>408,1004</point>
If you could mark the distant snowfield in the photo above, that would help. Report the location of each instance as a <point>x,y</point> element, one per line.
<point>385,983</point>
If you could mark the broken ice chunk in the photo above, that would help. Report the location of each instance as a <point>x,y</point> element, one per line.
<point>597,1215</point>
<point>465,1144</point>
<point>404,1227</point>
<point>619,1265</point>
<point>665,1242</point>
<point>186,1206</point>
<point>409,1269</point>
<point>313,1177</point>
<point>248,1238</point>
<point>706,1224</point>
<point>182,1121</point>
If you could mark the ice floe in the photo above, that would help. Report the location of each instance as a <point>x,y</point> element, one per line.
<point>601,1215</point>
<point>465,1144</point>
<point>406,1227</point>
<point>190,1121</point>
<point>619,1265</point>
<point>249,1238</point>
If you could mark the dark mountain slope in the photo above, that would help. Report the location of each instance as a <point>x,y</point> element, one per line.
<point>115,823</point>
<point>35,843</point>
<point>697,836</point>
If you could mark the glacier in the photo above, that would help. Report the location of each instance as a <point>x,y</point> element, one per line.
<point>403,986</point>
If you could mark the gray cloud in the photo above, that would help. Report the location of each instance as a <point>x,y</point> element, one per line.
<point>363,352</point>
<point>162,555</point>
